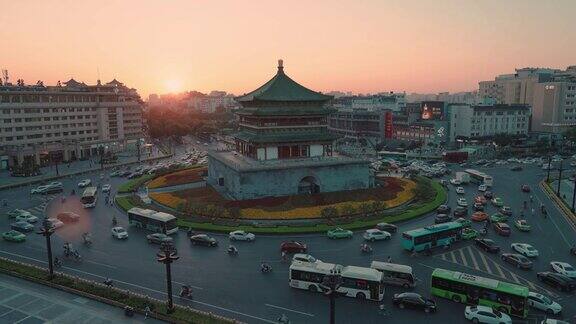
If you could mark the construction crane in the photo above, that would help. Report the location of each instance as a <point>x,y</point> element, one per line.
<point>5,76</point>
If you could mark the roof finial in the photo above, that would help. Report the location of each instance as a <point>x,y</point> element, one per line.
<point>280,65</point>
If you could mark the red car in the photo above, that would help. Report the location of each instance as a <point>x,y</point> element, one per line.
<point>525,188</point>
<point>293,247</point>
<point>502,229</point>
<point>68,217</point>
<point>479,216</point>
<point>480,200</point>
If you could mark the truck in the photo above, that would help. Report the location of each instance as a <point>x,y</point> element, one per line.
<point>463,177</point>
<point>455,157</point>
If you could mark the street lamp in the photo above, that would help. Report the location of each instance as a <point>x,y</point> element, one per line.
<point>167,256</point>
<point>559,179</point>
<point>549,167</point>
<point>329,286</point>
<point>574,194</point>
<point>47,230</point>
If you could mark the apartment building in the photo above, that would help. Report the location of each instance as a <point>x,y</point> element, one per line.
<point>69,121</point>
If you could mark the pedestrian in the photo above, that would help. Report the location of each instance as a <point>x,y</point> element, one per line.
<point>146,312</point>
<point>389,259</point>
<point>533,211</point>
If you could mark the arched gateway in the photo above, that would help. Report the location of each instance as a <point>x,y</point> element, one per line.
<point>308,185</point>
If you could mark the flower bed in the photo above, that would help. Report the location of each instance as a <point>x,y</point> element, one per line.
<point>194,174</point>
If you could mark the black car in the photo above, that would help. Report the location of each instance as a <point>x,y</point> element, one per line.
<point>460,211</point>
<point>158,238</point>
<point>203,239</point>
<point>414,300</point>
<point>442,218</point>
<point>487,245</point>
<point>22,226</point>
<point>478,207</point>
<point>557,280</point>
<point>443,209</point>
<point>517,260</point>
<point>390,228</point>
<point>516,168</point>
<point>488,195</point>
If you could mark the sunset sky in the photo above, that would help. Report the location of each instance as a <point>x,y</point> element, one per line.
<point>361,46</point>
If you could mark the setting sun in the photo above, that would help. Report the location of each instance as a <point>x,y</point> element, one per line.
<point>173,86</point>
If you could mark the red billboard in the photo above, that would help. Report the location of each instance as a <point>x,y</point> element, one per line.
<point>388,125</point>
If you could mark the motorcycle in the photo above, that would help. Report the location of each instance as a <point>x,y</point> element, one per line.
<point>232,251</point>
<point>365,249</point>
<point>186,292</point>
<point>63,199</point>
<point>265,268</point>
<point>57,263</point>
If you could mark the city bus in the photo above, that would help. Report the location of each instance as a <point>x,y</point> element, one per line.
<point>473,290</point>
<point>89,197</point>
<point>480,177</point>
<point>152,220</point>
<point>432,236</point>
<point>357,282</point>
<point>395,274</point>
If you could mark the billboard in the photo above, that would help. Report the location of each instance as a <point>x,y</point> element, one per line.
<point>388,125</point>
<point>432,110</point>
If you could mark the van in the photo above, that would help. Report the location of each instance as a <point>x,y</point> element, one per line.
<point>395,274</point>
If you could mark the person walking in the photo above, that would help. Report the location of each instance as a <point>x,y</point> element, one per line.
<point>146,312</point>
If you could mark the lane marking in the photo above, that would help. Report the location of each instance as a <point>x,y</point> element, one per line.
<point>483,258</point>
<point>464,261</point>
<point>471,254</point>
<point>102,264</point>
<point>514,277</point>
<point>453,256</point>
<point>497,266</point>
<point>290,310</point>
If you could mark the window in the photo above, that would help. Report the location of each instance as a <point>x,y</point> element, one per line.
<point>7,121</point>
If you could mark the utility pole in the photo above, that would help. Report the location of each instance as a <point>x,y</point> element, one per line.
<point>167,256</point>
<point>559,179</point>
<point>47,230</point>
<point>329,286</point>
<point>574,195</point>
<point>101,153</point>
<point>138,149</point>
<point>549,167</point>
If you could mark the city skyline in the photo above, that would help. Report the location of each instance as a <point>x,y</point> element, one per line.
<point>191,46</point>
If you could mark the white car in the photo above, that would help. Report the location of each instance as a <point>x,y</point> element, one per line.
<point>119,232</point>
<point>455,182</point>
<point>106,188</point>
<point>462,202</point>
<point>525,249</point>
<point>241,236</point>
<point>84,183</point>
<point>307,258</point>
<point>56,184</point>
<point>485,314</point>
<point>376,235</point>
<point>543,303</point>
<point>55,223</point>
<point>460,190</point>
<point>563,268</point>
<point>39,189</point>
<point>27,217</point>
<point>482,188</point>
<point>553,321</point>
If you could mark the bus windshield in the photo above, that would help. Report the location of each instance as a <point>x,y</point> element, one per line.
<point>431,236</point>
<point>88,198</point>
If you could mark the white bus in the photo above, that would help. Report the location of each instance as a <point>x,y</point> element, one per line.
<point>89,197</point>
<point>480,177</point>
<point>152,220</point>
<point>395,274</point>
<point>358,282</point>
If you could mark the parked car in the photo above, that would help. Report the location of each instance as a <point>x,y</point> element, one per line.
<point>455,182</point>
<point>498,218</point>
<point>485,314</point>
<point>488,195</point>
<point>479,216</point>
<point>68,217</point>
<point>22,226</point>
<point>106,188</point>
<point>502,229</point>
<point>443,209</point>
<point>84,183</point>
<point>241,236</point>
<point>469,233</point>
<point>415,301</point>
<point>27,218</point>
<point>480,199</point>
<point>293,247</point>
<point>13,236</point>
<point>506,210</point>
<point>525,188</point>
<point>376,235</point>
<point>158,238</point>
<point>39,189</point>
<point>517,260</point>
<point>203,239</point>
<point>390,228</point>
<point>17,212</point>
<point>522,225</point>
<point>543,303</point>
<point>339,233</point>
<point>478,207</point>
<point>487,245</point>
<point>55,223</point>
<point>465,222</point>
<point>307,258</point>
<point>525,249</point>
<point>460,211</point>
<point>460,190</point>
<point>563,268</point>
<point>462,202</point>
<point>482,188</point>
<point>558,281</point>
<point>119,232</point>
<point>498,202</point>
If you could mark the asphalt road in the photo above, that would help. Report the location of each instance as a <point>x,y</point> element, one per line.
<point>234,286</point>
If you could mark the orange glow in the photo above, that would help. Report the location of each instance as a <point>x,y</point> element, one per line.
<point>173,86</point>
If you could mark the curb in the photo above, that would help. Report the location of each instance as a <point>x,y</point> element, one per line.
<point>568,214</point>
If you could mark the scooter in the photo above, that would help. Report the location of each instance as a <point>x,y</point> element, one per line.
<point>266,269</point>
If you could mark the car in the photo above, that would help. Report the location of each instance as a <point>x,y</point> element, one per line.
<point>497,201</point>
<point>376,235</point>
<point>485,314</point>
<point>488,245</point>
<point>563,268</point>
<point>338,232</point>
<point>516,168</point>
<point>203,239</point>
<point>506,210</point>
<point>498,218</point>
<point>27,218</point>
<point>22,226</point>
<point>460,211</point>
<point>462,202</point>
<point>68,217</point>
<point>525,188</point>
<point>306,258</point>
<point>39,189</point>
<point>469,233</point>
<point>502,229</point>
<point>480,199</point>
<point>55,223</point>
<point>488,195</point>
<point>17,212</point>
<point>390,228</point>
<point>543,303</point>
<point>293,247</point>
<point>478,207</point>
<point>455,182</point>
<point>559,281</point>
<point>241,236</point>
<point>13,236</point>
<point>479,216</point>
<point>517,260</point>
<point>525,249</point>
<point>443,209</point>
<point>522,225</point>
<point>414,301</point>
<point>84,183</point>
<point>106,188</point>
<point>119,232</point>
<point>482,188</point>
<point>460,190</point>
<point>159,238</point>
<point>134,175</point>
<point>117,173</point>
<point>464,222</point>
<point>442,218</point>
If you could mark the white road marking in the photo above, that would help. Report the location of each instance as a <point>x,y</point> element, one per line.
<point>471,254</point>
<point>102,264</point>
<point>453,257</point>
<point>463,258</point>
<point>290,310</point>
<point>483,258</point>
<point>182,284</point>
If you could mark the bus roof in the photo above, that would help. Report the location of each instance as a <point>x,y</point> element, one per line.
<point>90,191</point>
<point>481,282</point>
<point>480,173</point>
<point>361,273</point>
<point>433,229</point>
<point>318,267</point>
<point>385,266</point>
<point>163,217</point>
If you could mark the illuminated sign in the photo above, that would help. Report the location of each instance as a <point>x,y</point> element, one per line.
<point>432,110</point>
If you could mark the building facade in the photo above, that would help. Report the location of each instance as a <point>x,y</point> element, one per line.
<point>69,121</point>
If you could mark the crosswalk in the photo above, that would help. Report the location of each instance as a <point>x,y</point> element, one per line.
<point>473,258</point>
<point>38,210</point>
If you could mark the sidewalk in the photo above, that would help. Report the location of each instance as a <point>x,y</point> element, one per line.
<point>25,302</point>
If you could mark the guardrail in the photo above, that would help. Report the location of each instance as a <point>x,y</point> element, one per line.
<point>558,202</point>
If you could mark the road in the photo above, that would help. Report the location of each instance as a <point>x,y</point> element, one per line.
<point>234,286</point>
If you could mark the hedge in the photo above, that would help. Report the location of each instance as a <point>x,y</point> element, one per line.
<point>132,185</point>
<point>114,296</point>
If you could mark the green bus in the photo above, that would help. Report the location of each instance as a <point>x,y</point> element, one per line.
<point>473,290</point>
<point>430,237</point>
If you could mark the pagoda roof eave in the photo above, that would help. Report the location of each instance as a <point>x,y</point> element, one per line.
<point>268,139</point>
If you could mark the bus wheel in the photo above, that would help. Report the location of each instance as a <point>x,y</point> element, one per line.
<point>360,296</point>
<point>312,288</point>
<point>456,298</point>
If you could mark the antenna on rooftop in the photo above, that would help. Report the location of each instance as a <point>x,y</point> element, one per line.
<point>5,76</point>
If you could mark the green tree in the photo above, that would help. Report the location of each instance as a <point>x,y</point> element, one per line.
<point>329,212</point>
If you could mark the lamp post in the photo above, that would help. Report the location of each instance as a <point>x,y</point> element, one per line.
<point>138,149</point>
<point>47,230</point>
<point>549,167</point>
<point>167,256</point>
<point>574,195</point>
<point>329,286</point>
<point>559,179</point>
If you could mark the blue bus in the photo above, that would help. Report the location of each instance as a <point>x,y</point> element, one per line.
<point>432,236</point>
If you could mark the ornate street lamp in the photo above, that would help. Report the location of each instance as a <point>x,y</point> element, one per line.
<point>47,230</point>
<point>559,179</point>
<point>167,256</point>
<point>329,286</point>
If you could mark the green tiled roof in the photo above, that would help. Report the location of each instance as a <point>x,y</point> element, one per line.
<point>282,88</point>
<point>284,111</point>
<point>285,138</point>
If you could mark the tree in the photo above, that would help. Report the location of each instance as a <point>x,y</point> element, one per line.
<point>570,134</point>
<point>329,212</point>
<point>347,209</point>
<point>365,208</point>
<point>377,205</point>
